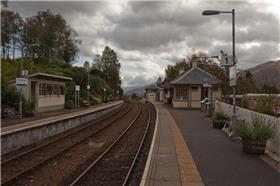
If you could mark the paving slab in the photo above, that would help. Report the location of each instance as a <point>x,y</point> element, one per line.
<point>171,163</point>
<point>219,159</point>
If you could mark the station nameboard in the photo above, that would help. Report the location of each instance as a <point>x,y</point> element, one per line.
<point>21,81</point>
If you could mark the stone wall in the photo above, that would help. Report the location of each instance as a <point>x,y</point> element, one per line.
<point>244,114</point>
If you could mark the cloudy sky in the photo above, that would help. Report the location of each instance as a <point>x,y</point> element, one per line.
<point>150,35</point>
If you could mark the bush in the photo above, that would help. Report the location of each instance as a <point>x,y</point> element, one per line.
<point>70,104</point>
<point>259,130</point>
<point>221,116</point>
<point>244,102</point>
<point>28,108</point>
<point>264,106</point>
<point>219,120</point>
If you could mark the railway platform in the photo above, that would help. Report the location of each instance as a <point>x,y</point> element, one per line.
<point>39,122</point>
<point>19,135</point>
<point>170,161</point>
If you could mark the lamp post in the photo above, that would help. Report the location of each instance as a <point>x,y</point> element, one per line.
<point>215,12</point>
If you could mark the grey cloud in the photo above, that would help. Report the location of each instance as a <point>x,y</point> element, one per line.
<point>165,32</point>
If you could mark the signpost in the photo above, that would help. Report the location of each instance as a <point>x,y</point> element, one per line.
<point>77,96</point>
<point>21,82</point>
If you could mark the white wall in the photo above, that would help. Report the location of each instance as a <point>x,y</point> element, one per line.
<point>53,100</point>
<point>247,115</point>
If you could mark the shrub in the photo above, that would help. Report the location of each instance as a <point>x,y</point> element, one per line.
<point>259,130</point>
<point>70,104</point>
<point>244,102</point>
<point>264,106</point>
<point>28,108</point>
<point>221,116</point>
<point>219,120</point>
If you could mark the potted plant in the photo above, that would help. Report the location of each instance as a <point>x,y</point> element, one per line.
<point>219,120</point>
<point>254,136</point>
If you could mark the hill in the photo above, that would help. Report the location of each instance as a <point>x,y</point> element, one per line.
<point>267,73</point>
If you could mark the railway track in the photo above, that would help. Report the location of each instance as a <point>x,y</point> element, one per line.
<point>36,157</point>
<point>115,164</point>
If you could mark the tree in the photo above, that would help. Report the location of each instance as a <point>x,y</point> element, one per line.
<point>172,71</point>
<point>56,39</point>
<point>269,89</point>
<point>11,32</point>
<point>245,83</point>
<point>110,67</point>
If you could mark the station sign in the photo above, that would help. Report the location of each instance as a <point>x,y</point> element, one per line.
<point>77,87</point>
<point>21,82</point>
<point>232,76</point>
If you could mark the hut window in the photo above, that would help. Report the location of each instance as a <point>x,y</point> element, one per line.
<point>181,93</point>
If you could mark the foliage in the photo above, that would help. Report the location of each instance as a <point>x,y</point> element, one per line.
<point>134,96</point>
<point>69,104</point>
<point>259,130</point>
<point>269,89</point>
<point>244,102</point>
<point>9,96</point>
<point>11,32</point>
<point>56,39</point>
<point>172,71</point>
<point>44,37</point>
<point>264,106</point>
<point>28,107</point>
<point>245,85</point>
<point>221,116</point>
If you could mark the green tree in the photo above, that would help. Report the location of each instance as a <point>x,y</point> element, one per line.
<point>56,39</point>
<point>11,32</point>
<point>110,67</point>
<point>269,89</point>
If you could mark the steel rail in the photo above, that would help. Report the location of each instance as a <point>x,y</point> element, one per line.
<point>62,137</point>
<point>13,178</point>
<point>106,151</point>
<point>138,151</point>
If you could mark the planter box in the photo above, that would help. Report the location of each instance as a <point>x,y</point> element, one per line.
<point>253,146</point>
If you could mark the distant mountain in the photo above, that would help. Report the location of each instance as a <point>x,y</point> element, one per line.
<point>267,73</point>
<point>137,90</point>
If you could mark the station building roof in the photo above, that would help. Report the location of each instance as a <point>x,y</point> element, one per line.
<point>40,75</point>
<point>152,86</point>
<point>195,76</point>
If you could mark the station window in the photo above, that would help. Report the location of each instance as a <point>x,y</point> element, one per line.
<point>181,93</point>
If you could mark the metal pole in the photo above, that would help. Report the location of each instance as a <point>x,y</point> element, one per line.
<point>234,117</point>
<point>75,99</point>
<point>20,97</point>
<point>88,88</point>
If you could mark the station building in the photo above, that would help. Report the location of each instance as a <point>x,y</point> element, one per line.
<point>153,92</point>
<point>46,91</point>
<point>187,90</point>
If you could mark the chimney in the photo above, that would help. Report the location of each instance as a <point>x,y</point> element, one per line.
<point>194,64</point>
